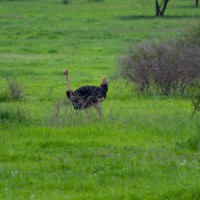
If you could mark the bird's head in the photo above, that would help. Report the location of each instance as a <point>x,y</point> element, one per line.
<point>65,72</point>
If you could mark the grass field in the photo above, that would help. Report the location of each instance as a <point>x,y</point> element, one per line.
<point>142,148</point>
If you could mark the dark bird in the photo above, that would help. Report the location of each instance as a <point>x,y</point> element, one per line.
<point>86,96</point>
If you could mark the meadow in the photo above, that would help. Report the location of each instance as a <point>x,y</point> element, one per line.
<point>144,147</point>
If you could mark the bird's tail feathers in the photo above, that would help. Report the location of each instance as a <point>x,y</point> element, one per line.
<point>104,81</point>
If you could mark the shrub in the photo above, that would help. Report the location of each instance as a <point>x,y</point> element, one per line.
<point>16,89</point>
<point>66,1</point>
<point>56,114</point>
<point>165,67</point>
<point>63,114</point>
<point>193,143</point>
<point>11,113</point>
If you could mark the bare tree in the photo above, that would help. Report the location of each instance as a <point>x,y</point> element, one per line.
<point>161,7</point>
<point>165,68</point>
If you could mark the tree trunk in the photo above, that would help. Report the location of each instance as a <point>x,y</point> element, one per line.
<point>197,3</point>
<point>160,8</point>
<point>164,6</point>
<point>157,9</point>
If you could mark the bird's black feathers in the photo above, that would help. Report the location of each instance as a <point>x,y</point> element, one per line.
<point>86,96</point>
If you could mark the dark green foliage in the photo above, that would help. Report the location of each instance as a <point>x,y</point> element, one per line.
<point>66,1</point>
<point>193,143</point>
<point>14,114</point>
<point>4,96</point>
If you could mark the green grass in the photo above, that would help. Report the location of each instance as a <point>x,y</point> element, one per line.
<point>143,147</point>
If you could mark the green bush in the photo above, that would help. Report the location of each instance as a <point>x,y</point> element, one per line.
<point>193,143</point>
<point>14,114</point>
<point>4,96</point>
<point>66,1</point>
